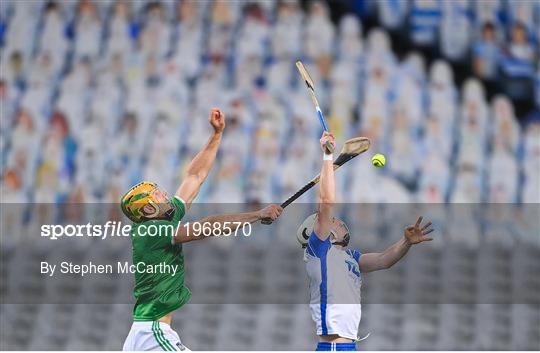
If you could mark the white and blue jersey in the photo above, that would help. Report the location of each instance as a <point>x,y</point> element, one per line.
<point>334,285</point>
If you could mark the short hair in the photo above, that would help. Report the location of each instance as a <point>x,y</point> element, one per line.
<point>488,26</point>
<point>519,25</point>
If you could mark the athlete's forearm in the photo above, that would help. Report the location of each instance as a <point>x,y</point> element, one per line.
<point>202,163</point>
<point>380,261</point>
<point>246,217</point>
<point>395,252</point>
<point>391,255</point>
<point>198,169</point>
<point>327,195</point>
<point>225,223</point>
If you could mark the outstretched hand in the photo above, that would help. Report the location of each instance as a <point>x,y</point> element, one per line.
<point>417,233</point>
<point>217,120</point>
<point>270,213</point>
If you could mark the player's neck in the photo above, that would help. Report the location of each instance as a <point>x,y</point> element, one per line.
<point>166,319</point>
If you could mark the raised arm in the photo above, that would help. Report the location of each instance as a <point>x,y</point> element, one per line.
<point>186,233</point>
<point>200,166</point>
<point>413,234</point>
<point>327,193</point>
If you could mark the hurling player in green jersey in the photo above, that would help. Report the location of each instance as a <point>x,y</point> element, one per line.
<point>160,292</point>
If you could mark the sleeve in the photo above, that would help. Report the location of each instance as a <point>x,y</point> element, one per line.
<point>179,208</point>
<point>356,255</point>
<point>318,247</point>
<point>179,213</point>
<point>156,234</point>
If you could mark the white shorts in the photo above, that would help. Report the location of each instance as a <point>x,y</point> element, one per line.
<point>153,336</point>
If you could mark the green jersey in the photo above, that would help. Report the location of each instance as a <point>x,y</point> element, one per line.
<point>158,292</point>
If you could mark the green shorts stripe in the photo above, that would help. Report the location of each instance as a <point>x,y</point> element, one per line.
<point>167,342</point>
<point>164,343</point>
<point>158,338</point>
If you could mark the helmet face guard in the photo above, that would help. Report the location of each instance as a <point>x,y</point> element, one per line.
<point>344,242</point>
<point>143,202</point>
<point>346,238</point>
<point>304,231</point>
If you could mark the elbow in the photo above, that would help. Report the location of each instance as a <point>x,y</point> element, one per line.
<point>179,240</point>
<point>325,207</point>
<point>197,177</point>
<point>184,239</point>
<point>327,200</point>
<point>182,235</point>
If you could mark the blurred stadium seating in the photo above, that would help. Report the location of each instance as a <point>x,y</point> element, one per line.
<point>96,96</point>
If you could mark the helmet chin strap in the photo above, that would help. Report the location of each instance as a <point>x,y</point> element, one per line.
<point>344,242</point>
<point>346,238</point>
<point>169,214</point>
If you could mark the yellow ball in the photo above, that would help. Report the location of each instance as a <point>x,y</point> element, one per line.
<point>378,160</point>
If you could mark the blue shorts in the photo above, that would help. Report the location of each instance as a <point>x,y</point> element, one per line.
<point>328,346</point>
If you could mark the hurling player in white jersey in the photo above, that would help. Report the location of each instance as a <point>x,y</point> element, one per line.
<point>335,272</point>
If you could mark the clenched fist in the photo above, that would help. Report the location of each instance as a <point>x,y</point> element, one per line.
<point>327,138</point>
<point>270,212</point>
<point>217,120</point>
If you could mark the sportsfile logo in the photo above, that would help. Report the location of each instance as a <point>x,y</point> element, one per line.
<point>102,231</point>
<point>118,229</point>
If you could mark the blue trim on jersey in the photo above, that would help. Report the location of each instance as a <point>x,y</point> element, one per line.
<point>317,246</point>
<point>355,254</point>
<point>329,346</point>
<point>309,251</point>
<point>324,293</point>
<point>320,248</point>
